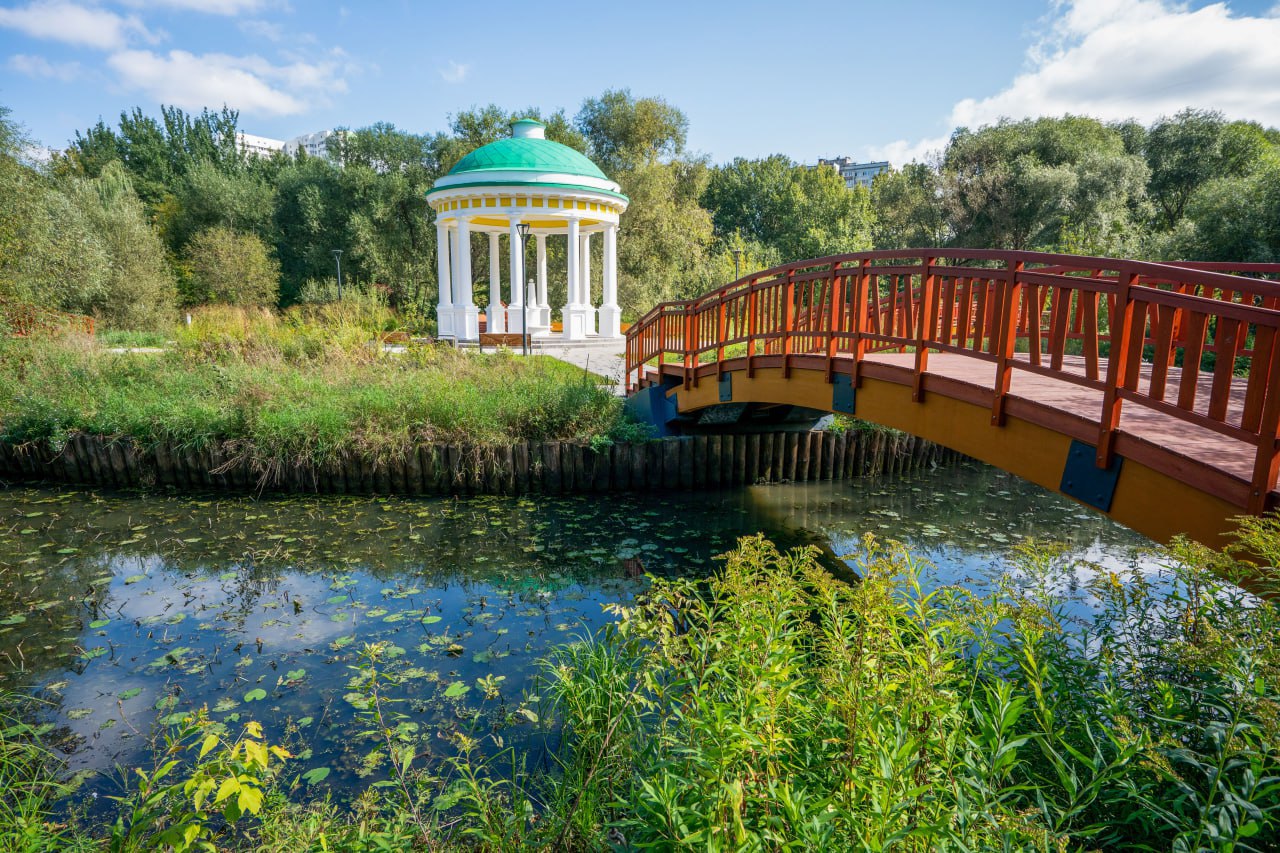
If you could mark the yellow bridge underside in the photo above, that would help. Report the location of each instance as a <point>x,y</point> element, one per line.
<point>1154,504</point>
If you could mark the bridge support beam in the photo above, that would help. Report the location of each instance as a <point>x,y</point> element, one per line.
<point>1154,504</point>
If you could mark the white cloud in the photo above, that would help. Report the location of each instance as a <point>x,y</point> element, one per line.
<point>455,73</point>
<point>1117,59</point>
<point>210,7</point>
<point>38,66</point>
<point>247,83</point>
<point>74,24</point>
<point>261,29</point>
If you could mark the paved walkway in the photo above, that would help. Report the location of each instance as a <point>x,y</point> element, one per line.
<point>604,359</point>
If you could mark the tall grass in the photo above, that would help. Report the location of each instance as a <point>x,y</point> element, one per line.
<point>310,384</point>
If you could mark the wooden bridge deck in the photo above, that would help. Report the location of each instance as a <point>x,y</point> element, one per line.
<point>1075,410</point>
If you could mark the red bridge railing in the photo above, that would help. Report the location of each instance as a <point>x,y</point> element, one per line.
<point>1152,335</point>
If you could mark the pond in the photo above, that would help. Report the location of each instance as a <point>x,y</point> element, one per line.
<point>125,610</point>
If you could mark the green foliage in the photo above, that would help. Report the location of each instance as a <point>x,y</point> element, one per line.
<point>798,211</point>
<point>32,781</point>
<point>177,805</point>
<point>138,290</point>
<point>231,268</point>
<point>312,384</point>
<point>1025,184</point>
<point>624,131</point>
<point>774,707</point>
<point>907,204</point>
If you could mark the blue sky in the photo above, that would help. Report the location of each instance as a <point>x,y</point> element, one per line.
<point>804,78</point>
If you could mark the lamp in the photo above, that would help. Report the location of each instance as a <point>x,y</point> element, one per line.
<point>337,258</point>
<point>522,228</point>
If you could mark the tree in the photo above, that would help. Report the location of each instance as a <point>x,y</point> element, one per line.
<point>662,253</point>
<point>230,267</point>
<point>1233,218</point>
<point>623,131</point>
<point>1190,149</point>
<point>798,211</point>
<point>138,290</point>
<point>1028,184</point>
<point>908,208</point>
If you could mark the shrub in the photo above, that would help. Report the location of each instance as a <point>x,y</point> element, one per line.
<point>230,267</point>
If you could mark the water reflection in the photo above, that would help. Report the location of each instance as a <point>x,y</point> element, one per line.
<point>126,610</point>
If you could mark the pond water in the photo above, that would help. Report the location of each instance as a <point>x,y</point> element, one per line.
<point>123,610</point>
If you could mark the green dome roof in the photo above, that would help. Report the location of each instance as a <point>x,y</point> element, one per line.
<point>527,154</point>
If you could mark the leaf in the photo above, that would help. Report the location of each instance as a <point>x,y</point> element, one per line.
<point>255,695</point>
<point>316,775</point>
<point>99,623</point>
<point>296,674</point>
<point>130,693</point>
<point>528,714</point>
<point>456,689</point>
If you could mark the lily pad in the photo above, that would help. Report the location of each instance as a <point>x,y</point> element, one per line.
<point>255,695</point>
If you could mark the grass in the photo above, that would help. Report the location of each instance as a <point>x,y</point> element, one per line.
<point>772,707</point>
<point>308,385</point>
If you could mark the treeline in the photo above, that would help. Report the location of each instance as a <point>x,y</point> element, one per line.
<point>133,221</point>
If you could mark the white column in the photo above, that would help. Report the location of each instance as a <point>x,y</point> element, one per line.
<point>516,319</point>
<point>540,311</point>
<point>589,323</point>
<point>610,313</point>
<point>496,315</point>
<point>574,314</point>
<point>444,301</point>
<point>466,314</point>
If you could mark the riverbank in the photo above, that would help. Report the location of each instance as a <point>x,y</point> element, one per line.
<point>305,387</point>
<point>308,401</point>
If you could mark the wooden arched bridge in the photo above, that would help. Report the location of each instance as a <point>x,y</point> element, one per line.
<point>1150,392</point>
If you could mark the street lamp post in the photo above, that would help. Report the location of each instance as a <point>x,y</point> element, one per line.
<point>337,258</point>
<point>737,256</point>
<point>523,229</point>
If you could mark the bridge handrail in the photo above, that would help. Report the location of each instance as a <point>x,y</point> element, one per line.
<point>1161,325</point>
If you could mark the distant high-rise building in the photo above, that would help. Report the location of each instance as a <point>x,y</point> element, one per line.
<point>315,144</point>
<point>258,146</point>
<point>855,174</point>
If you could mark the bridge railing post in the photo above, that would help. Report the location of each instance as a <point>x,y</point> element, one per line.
<point>861,294</point>
<point>835,318</point>
<point>690,362</point>
<point>1266,465</point>
<point>788,321</point>
<point>1117,366</point>
<point>720,335</point>
<point>926,322</point>
<point>753,326</point>
<point>1006,303</point>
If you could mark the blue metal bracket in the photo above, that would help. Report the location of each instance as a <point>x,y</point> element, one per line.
<point>726,387</point>
<point>844,396</point>
<point>1083,480</point>
<point>652,406</point>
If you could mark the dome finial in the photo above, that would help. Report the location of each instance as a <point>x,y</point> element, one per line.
<point>527,128</point>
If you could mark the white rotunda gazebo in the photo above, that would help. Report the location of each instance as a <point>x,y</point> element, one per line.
<point>526,180</point>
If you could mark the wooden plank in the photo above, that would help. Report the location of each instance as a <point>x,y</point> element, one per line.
<point>699,461</point>
<point>520,468</point>
<point>638,453</point>
<point>1226,342</point>
<point>740,459</point>
<point>752,461</point>
<point>766,472</point>
<point>714,460</point>
<point>790,454</point>
<point>552,480</point>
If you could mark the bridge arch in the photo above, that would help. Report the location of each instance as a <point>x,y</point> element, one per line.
<point>1150,392</point>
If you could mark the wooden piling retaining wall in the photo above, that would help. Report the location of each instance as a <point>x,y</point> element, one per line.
<point>549,467</point>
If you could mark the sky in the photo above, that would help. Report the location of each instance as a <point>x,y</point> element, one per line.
<point>805,78</point>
